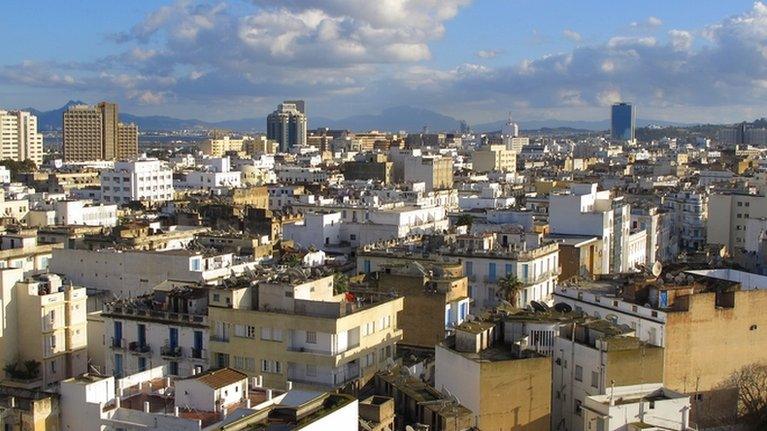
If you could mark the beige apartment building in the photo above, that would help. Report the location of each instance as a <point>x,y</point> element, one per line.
<point>293,328</point>
<point>494,158</point>
<point>19,139</point>
<point>94,133</point>
<point>44,322</point>
<point>219,146</point>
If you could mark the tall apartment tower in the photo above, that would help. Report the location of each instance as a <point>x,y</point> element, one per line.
<point>623,122</point>
<point>19,139</point>
<point>287,125</point>
<point>94,133</point>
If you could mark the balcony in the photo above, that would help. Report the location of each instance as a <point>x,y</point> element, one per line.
<point>118,343</point>
<point>139,349</point>
<point>199,355</point>
<point>171,352</point>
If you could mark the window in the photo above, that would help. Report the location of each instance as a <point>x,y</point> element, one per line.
<point>595,379</point>
<point>311,337</point>
<point>578,409</point>
<point>311,370</point>
<point>579,373</point>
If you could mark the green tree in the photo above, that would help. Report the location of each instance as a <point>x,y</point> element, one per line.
<point>509,288</point>
<point>340,283</point>
<point>465,220</point>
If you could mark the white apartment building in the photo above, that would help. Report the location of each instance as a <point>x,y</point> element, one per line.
<point>129,274</point>
<point>490,197</point>
<point>318,229</point>
<point>145,180</point>
<point>637,408</point>
<point>19,139</point>
<point>728,214</point>
<point>689,213</point>
<point>168,328</point>
<point>301,175</point>
<point>45,322</point>
<point>5,175</point>
<point>73,212</point>
<point>217,173</point>
<point>584,211</point>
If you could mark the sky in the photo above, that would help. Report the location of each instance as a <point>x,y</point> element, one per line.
<point>681,60</point>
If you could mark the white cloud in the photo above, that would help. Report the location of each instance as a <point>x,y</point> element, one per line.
<point>681,40</point>
<point>650,22</point>
<point>572,35</point>
<point>488,53</point>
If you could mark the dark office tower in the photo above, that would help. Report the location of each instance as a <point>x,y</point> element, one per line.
<point>287,126</point>
<point>94,133</point>
<point>623,122</point>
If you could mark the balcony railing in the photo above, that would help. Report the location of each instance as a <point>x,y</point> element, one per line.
<point>118,343</point>
<point>171,351</point>
<point>139,348</point>
<point>199,354</point>
<point>168,316</point>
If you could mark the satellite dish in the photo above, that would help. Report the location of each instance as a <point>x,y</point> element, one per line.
<point>537,306</point>
<point>409,428</point>
<point>657,268</point>
<point>563,307</point>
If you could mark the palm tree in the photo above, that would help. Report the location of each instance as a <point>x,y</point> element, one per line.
<point>509,288</point>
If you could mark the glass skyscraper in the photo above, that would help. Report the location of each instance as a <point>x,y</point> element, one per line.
<point>623,122</point>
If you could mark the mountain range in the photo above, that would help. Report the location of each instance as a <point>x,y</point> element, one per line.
<point>397,118</point>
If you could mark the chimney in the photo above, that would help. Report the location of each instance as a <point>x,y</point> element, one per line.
<point>117,402</point>
<point>146,406</point>
<point>260,381</point>
<point>12,402</point>
<point>290,385</point>
<point>175,411</point>
<point>268,394</point>
<point>194,371</point>
<point>224,412</point>
<point>167,382</point>
<point>247,403</point>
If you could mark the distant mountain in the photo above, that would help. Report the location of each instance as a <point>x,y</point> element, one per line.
<point>565,124</point>
<point>392,119</point>
<point>51,120</point>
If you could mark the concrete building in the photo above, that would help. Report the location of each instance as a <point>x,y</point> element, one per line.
<point>28,410</point>
<point>55,340</point>
<point>435,298</point>
<point>728,214</point>
<point>584,211</point>
<point>689,215</point>
<point>287,125</point>
<point>168,328</point>
<point>132,273</point>
<point>127,141</point>
<point>374,167</point>
<point>504,386</point>
<point>591,357</point>
<point>19,138</point>
<point>721,306</point>
<point>293,328</point>
<point>72,213</point>
<point>95,133</point>
<point>218,146</point>
<point>321,230</point>
<point>494,158</point>
<point>434,171</point>
<point>223,399</point>
<point>637,408</point>
<point>145,180</point>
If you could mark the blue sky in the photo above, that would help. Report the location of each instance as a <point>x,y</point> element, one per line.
<point>677,60</point>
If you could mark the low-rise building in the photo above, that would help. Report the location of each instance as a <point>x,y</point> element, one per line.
<point>292,327</point>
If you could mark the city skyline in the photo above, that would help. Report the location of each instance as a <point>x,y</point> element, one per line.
<point>686,62</point>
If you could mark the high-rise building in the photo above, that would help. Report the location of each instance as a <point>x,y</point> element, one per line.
<point>19,139</point>
<point>127,141</point>
<point>93,133</point>
<point>623,122</point>
<point>287,125</point>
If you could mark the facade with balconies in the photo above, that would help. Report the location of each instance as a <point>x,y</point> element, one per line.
<point>45,337</point>
<point>294,328</point>
<point>166,328</point>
